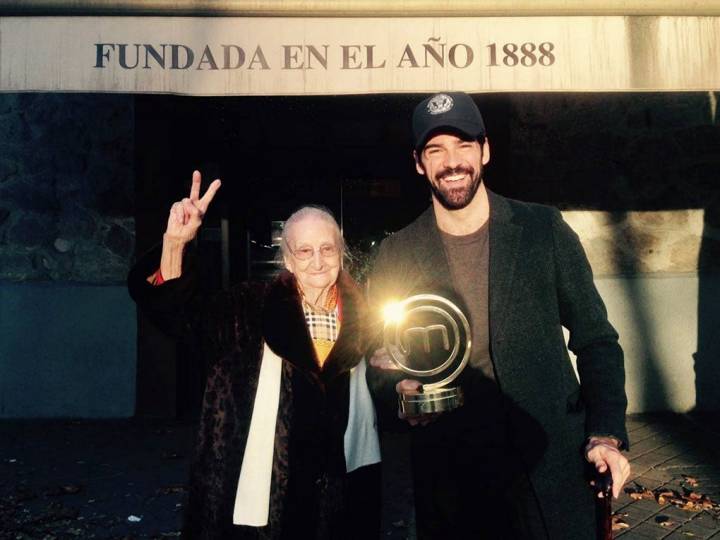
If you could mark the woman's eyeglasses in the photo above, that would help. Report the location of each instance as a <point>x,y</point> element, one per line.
<point>307,253</point>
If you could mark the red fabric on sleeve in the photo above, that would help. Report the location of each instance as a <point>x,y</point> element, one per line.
<point>156,278</point>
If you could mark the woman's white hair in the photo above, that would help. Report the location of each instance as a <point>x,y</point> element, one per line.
<point>315,211</point>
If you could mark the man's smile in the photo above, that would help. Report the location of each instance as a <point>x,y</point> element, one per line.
<point>454,177</point>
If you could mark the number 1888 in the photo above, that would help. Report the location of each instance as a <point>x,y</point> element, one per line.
<point>528,54</point>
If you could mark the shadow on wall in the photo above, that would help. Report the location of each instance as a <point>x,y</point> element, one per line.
<point>707,357</point>
<point>652,392</point>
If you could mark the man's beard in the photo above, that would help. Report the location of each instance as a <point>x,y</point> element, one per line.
<point>456,198</point>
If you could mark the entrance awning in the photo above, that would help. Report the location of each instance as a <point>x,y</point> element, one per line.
<point>360,47</point>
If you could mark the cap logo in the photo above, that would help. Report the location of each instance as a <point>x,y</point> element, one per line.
<point>439,104</point>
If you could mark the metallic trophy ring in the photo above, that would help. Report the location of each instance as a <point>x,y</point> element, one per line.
<point>400,339</point>
<point>429,330</point>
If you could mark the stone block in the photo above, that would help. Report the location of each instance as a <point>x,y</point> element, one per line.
<point>639,242</point>
<point>76,221</point>
<point>120,241</point>
<point>32,195</point>
<point>15,265</point>
<point>31,230</point>
<point>63,245</point>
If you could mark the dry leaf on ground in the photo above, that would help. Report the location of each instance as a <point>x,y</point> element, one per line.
<point>664,521</point>
<point>618,523</point>
<point>690,481</point>
<point>638,492</point>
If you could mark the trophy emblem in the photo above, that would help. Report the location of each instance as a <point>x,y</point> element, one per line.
<point>428,337</point>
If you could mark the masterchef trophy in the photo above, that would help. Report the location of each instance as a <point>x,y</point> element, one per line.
<point>428,337</point>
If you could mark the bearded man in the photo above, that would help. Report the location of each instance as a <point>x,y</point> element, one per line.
<point>512,461</point>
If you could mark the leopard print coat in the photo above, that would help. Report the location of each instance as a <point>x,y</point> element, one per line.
<point>308,477</point>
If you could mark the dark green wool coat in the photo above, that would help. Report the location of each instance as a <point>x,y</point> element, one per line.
<point>539,281</point>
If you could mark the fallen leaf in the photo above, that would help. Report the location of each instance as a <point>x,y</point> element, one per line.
<point>618,523</point>
<point>639,492</point>
<point>690,481</point>
<point>647,494</point>
<point>664,521</point>
<point>664,496</point>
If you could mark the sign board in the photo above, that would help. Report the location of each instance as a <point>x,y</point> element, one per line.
<point>323,56</point>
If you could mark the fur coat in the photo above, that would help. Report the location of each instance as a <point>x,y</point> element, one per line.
<point>308,474</point>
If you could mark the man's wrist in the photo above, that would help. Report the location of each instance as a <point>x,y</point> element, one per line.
<point>611,443</point>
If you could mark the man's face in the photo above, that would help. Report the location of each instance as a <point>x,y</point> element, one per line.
<point>454,167</point>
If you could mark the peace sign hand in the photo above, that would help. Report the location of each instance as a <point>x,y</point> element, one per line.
<point>183,223</point>
<point>186,215</point>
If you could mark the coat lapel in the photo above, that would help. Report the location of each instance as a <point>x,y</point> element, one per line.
<point>505,238</point>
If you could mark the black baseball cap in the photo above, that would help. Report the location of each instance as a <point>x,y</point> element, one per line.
<point>451,110</point>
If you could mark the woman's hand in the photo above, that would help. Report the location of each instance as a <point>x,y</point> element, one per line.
<point>186,215</point>
<point>183,223</point>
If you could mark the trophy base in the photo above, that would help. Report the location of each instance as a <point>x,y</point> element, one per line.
<point>430,401</point>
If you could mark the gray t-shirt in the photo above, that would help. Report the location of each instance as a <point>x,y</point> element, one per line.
<point>469,257</point>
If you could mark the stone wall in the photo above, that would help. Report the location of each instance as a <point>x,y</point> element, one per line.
<point>638,178</point>
<point>639,174</point>
<point>642,242</point>
<point>67,325</point>
<point>66,187</point>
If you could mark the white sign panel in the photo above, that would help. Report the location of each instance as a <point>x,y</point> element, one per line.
<point>295,56</point>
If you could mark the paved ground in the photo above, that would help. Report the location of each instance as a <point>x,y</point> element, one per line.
<point>114,479</point>
<point>676,479</point>
<point>125,480</point>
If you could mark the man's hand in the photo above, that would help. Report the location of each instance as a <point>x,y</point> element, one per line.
<point>183,223</point>
<point>604,454</point>
<point>411,385</point>
<point>381,359</point>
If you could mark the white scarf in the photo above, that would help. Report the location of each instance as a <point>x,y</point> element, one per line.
<point>362,446</point>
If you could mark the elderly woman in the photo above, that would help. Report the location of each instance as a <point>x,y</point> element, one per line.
<point>287,445</point>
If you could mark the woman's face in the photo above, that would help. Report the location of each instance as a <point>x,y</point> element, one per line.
<point>314,255</point>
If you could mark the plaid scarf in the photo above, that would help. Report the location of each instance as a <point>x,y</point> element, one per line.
<point>323,323</point>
